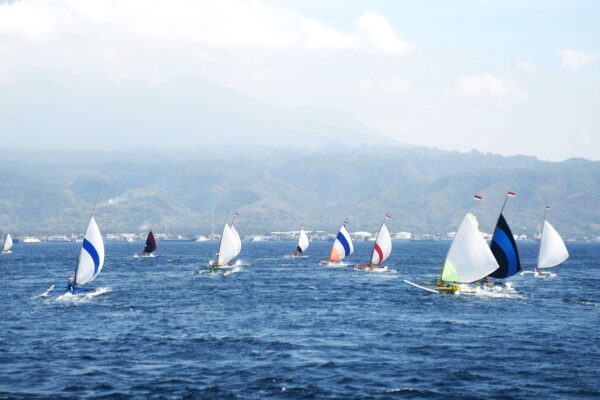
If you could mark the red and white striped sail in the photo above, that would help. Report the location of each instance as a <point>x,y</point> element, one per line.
<point>383,246</point>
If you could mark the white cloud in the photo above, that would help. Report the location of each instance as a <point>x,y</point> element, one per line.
<point>380,34</point>
<point>388,84</point>
<point>138,39</point>
<point>526,66</point>
<point>484,84</point>
<point>319,36</point>
<point>575,59</point>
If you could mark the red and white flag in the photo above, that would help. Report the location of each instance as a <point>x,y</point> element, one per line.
<point>478,197</point>
<point>511,194</point>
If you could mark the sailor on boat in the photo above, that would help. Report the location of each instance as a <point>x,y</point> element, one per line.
<point>297,252</point>
<point>70,284</point>
<point>303,243</point>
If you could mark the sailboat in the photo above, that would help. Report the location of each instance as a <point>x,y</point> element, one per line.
<point>469,259</point>
<point>302,245</point>
<point>342,248</point>
<point>91,260</point>
<point>149,247</point>
<point>381,249</point>
<point>230,246</point>
<point>8,243</point>
<point>504,247</point>
<point>552,248</point>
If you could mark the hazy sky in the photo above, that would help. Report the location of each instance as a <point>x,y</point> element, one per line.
<point>502,76</point>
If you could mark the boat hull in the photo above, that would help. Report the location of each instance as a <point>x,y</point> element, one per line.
<point>368,267</point>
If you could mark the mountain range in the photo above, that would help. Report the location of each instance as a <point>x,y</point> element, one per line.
<point>280,188</point>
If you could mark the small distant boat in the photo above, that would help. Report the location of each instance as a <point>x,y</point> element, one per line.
<point>302,245</point>
<point>469,259</point>
<point>342,248</point>
<point>230,247</point>
<point>8,244</point>
<point>553,250</point>
<point>91,260</point>
<point>150,246</point>
<point>381,249</point>
<point>504,247</point>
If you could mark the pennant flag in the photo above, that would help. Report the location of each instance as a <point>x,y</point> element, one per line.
<point>547,207</point>
<point>478,197</point>
<point>512,194</point>
<point>388,215</point>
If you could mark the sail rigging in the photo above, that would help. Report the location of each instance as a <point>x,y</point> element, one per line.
<point>469,257</point>
<point>8,243</point>
<point>91,258</point>
<point>230,246</point>
<point>303,242</point>
<point>150,243</point>
<point>382,247</point>
<point>505,250</point>
<point>342,247</point>
<point>552,248</point>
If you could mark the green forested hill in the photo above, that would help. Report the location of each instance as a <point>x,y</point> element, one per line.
<point>426,190</point>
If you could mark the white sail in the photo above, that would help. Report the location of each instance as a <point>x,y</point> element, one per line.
<point>228,247</point>
<point>469,257</point>
<point>552,248</point>
<point>8,243</point>
<point>342,247</point>
<point>91,258</point>
<point>238,241</point>
<point>303,241</point>
<point>383,246</point>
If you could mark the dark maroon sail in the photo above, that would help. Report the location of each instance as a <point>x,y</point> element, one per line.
<point>150,244</point>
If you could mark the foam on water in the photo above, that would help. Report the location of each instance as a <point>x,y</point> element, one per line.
<point>81,297</point>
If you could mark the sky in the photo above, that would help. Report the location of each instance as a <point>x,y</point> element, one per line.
<point>508,77</point>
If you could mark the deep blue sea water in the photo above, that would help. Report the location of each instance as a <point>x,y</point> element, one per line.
<point>290,329</point>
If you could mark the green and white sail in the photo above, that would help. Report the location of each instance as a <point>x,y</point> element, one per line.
<point>8,243</point>
<point>469,257</point>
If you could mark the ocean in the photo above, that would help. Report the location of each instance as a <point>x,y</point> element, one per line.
<point>280,328</point>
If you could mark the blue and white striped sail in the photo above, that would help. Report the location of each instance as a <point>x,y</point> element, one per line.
<point>342,247</point>
<point>91,258</point>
